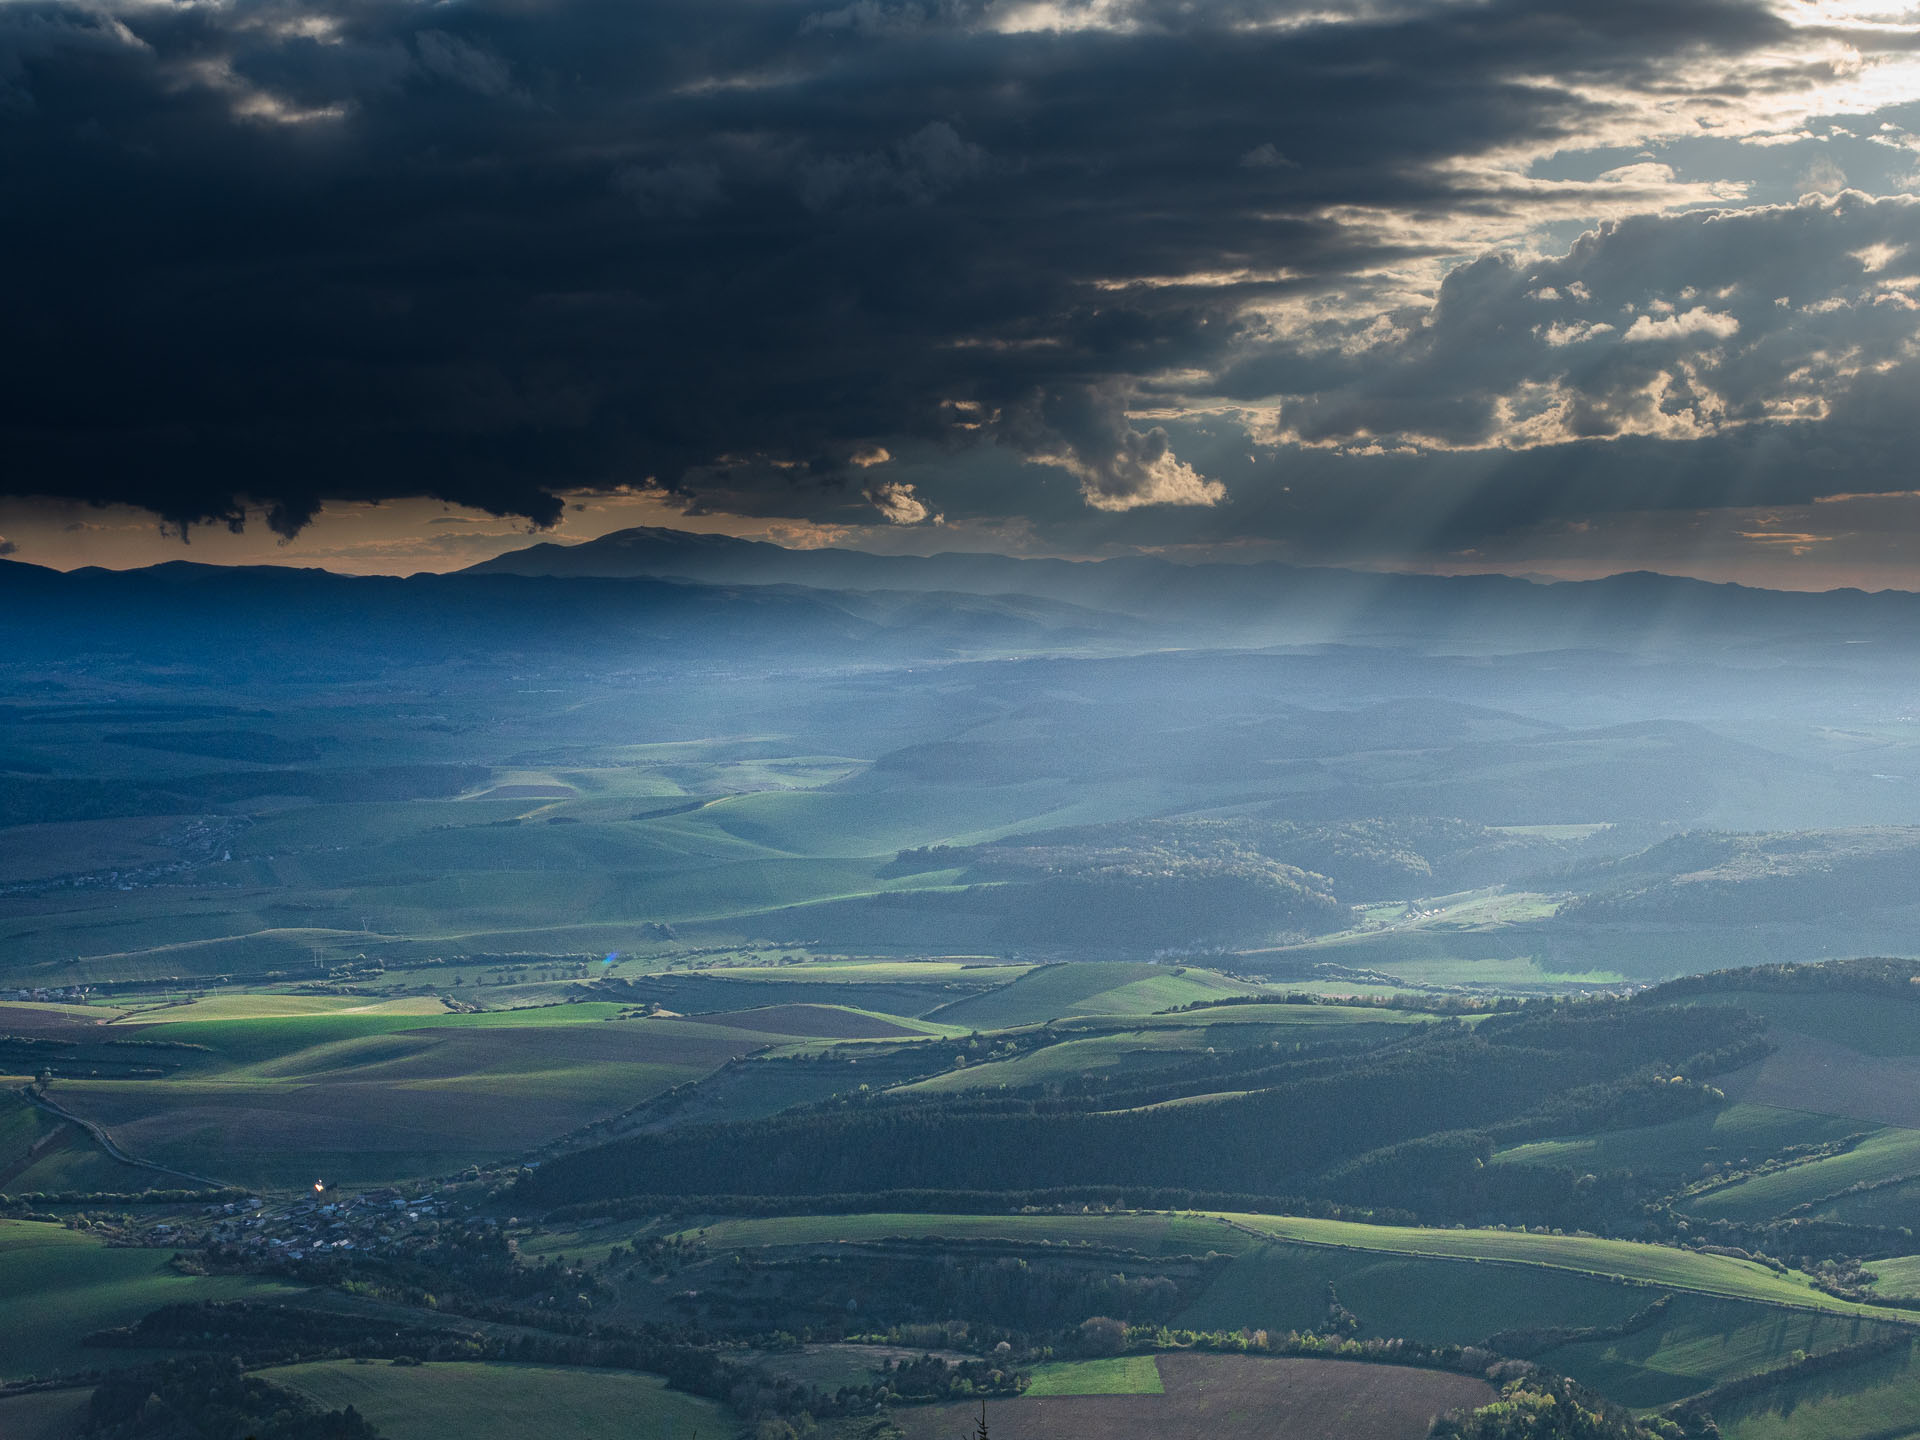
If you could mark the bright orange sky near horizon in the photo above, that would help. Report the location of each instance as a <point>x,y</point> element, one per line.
<point>1863,542</point>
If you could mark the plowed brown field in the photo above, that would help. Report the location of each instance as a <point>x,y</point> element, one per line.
<point>1225,1397</point>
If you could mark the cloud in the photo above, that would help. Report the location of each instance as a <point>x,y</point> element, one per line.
<point>460,62</point>
<point>682,189</point>
<point>898,505</point>
<point>1077,260</point>
<point>919,167</point>
<point>1138,468</point>
<point>1266,156</point>
<point>1698,321</point>
<point>1512,354</point>
<point>7,547</point>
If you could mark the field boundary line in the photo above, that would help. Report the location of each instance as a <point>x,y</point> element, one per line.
<point>112,1146</point>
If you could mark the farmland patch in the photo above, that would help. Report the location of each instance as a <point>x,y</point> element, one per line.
<point>1815,1074</point>
<point>1879,1398</point>
<point>506,1402</point>
<point>1115,1375</point>
<point>1880,1157</point>
<point>829,1022</point>
<point>1229,1397</point>
<point>49,1415</point>
<point>59,1285</point>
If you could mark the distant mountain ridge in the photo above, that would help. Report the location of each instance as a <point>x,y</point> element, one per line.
<point>704,598</point>
<point>1267,603</point>
<point>657,552</point>
<point>288,616</point>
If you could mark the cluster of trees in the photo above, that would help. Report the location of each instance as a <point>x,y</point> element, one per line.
<point>257,1334</point>
<point>211,1399</point>
<point>1741,879</point>
<point>1359,859</point>
<point>36,800</point>
<point>1889,978</point>
<point>1148,905</point>
<point>1070,1199</point>
<point>34,1199</point>
<point>1024,1293</point>
<point>1150,884</point>
<point>1549,1407</point>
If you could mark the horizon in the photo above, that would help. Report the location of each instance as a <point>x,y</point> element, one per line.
<point>1230,557</point>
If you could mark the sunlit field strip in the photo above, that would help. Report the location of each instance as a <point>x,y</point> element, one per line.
<point>1612,1259</point>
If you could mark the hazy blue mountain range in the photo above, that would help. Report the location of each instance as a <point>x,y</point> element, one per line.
<point>1273,603</point>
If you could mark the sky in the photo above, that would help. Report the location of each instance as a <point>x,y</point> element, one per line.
<point>1551,287</point>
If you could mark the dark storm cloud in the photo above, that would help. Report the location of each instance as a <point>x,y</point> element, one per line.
<point>295,253</point>
<point>1674,327</point>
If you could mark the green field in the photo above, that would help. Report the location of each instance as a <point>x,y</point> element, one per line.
<point>1657,1265</point>
<point>507,1402</point>
<point>1725,1318</point>
<point>1284,1287</point>
<point>1892,1205</point>
<point>282,1087</point>
<point>1881,1156</point>
<point>371,1097</point>
<point>48,1415</point>
<point>1088,988</point>
<point>1699,1343</point>
<point>1726,1135</point>
<point>1878,1400</point>
<point>1118,1375</point>
<point>1651,1265</point>
<point>57,1285</point>
<point>1096,1054</point>
<point>1161,1040</point>
<point>267,1005</point>
<point>1899,1276</point>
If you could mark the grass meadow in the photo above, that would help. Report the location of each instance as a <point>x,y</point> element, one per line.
<point>1881,1156</point>
<point>58,1285</point>
<point>1053,992</point>
<point>1682,1146</point>
<point>480,1401</point>
<point>1899,1276</point>
<point>1115,1375</point>
<point>1880,1398</point>
<point>47,1415</point>
<point>1655,1266</point>
<point>1701,1342</point>
<point>377,1095</point>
